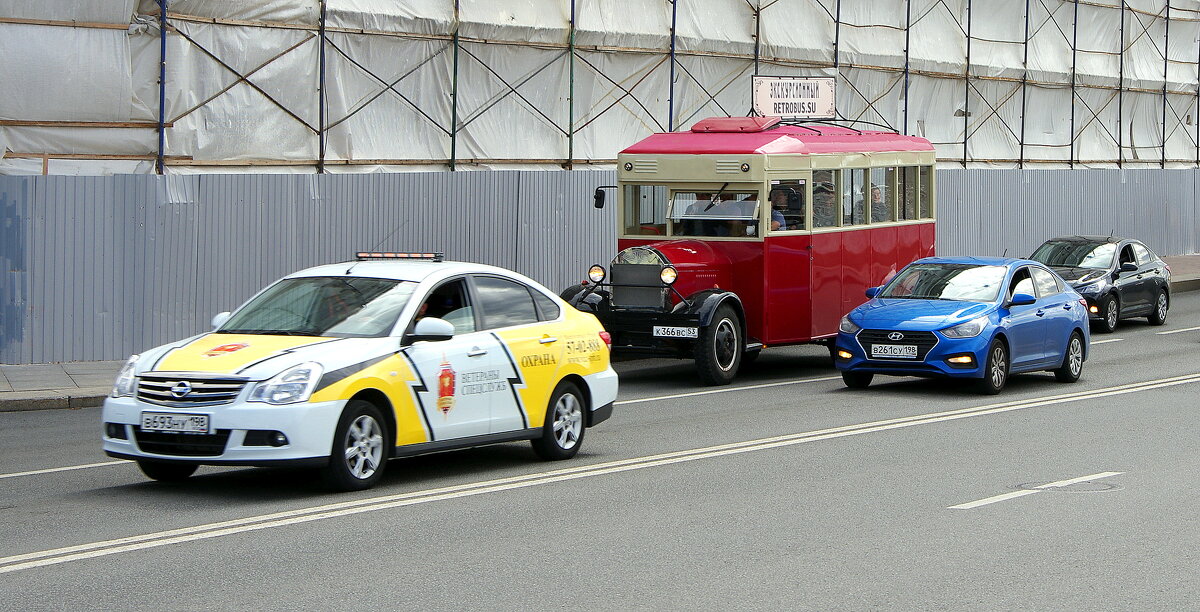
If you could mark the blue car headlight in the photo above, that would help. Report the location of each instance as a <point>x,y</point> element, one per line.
<point>847,326</point>
<point>970,329</point>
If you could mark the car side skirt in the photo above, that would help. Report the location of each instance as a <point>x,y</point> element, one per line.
<point>409,450</point>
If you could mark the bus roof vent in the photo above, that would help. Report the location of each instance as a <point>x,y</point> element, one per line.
<point>735,124</point>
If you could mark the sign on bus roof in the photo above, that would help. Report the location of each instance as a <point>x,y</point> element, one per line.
<point>794,97</point>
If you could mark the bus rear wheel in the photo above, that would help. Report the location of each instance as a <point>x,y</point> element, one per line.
<point>718,350</point>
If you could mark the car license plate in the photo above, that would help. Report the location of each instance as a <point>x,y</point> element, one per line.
<point>894,351</point>
<point>175,422</point>
<point>663,331</point>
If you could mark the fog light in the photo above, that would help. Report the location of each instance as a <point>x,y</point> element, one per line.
<point>1093,309</point>
<point>278,439</point>
<point>963,359</point>
<point>115,431</point>
<point>844,354</point>
<point>596,273</point>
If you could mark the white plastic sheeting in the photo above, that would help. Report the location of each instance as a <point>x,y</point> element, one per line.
<point>399,85</point>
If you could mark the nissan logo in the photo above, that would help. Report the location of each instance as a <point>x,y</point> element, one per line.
<point>181,389</point>
<point>894,337</point>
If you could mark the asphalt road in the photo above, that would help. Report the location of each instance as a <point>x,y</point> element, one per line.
<point>785,490</point>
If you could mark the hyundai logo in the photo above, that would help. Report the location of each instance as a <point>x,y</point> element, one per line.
<point>895,336</point>
<point>181,389</point>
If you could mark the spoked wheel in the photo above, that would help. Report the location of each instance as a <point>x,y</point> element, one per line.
<point>563,430</point>
<point>1159,315</point>
<point>718,350</point>
<point>360,446</point>
<point>166,471</point>
<point>1072,365</point>
<point>995,373</point>
<point>1110,314</point>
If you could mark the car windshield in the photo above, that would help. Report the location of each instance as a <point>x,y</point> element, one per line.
<point>939,281</point>
<point>342,307</point>
<point>1075,254</point>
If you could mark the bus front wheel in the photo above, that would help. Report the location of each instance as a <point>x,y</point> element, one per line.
<point>718,350</point>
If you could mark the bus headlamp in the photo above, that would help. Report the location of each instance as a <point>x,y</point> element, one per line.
<point>596,273</point>
<point>668,275</point>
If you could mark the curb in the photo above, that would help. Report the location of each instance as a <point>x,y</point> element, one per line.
<point>1187,284</point>
<point>74,399</point>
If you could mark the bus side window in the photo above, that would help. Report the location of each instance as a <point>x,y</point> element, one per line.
<point>824,208</point>
<point>908,193</point>
<point>926,190</point>
<point>882,206</point>
<point>645,209</point>
<point>854,196</point>
<point>787,205</point>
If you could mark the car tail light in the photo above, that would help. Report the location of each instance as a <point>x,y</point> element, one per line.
<point>1168,267</point>
<point>1084,302</point>
<point>607,338</point>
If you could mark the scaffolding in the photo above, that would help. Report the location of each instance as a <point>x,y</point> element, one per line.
<point>349,86</point>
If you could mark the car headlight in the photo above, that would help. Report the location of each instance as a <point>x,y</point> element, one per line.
<point>596,273</point>
<point>293,385</point>
<point>668,275</point>
<point>970,329</point>
<point>126,381</point>
<point>848,326</point>
<point>1090,278</point>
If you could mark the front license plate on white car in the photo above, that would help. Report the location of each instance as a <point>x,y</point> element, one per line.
<point>174,422</point>
<point>894,351</point>
<point>663,331</point>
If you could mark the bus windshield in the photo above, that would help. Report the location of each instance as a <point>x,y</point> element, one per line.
<point>716,213</point>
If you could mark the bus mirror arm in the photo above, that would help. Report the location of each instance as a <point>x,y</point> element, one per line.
<point>598,197</point>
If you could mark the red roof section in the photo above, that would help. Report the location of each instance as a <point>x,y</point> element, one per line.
<point>746,135</point>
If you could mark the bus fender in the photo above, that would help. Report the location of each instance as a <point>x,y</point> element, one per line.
<point>705,304</point>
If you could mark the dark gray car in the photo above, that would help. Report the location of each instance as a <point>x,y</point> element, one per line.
<point>1121,278</point>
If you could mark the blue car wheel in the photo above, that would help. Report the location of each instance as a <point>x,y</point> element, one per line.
<point>1072,365</point>
<point>995,373</point>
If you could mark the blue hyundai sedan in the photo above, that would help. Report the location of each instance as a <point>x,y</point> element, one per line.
<point>966,317</point>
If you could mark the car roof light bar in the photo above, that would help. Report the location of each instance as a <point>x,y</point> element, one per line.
<point>369,255</point>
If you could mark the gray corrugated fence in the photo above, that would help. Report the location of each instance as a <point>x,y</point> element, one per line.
<point>100,267</point>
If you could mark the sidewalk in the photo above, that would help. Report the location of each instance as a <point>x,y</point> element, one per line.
<point>84,384</point>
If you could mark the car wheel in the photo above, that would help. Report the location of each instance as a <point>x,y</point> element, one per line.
<point>360,447</point>
<point>167,471</point>
<point>1072,365</point>
<point>857,380</point>
<point>1159,315</point>
<point>562,433</point>
<point>995,371</point>
<point>718,350</point>
<point>1110,314</point>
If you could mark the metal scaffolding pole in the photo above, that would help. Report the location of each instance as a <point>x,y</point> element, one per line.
<point>571,92</point>
<point>454,96</point>
<point>162,85</point>
<point>1074,58</point>
<point>757,8</point>
<point>671,91</point>
<point>1024,89</point>
<point>1121,92</point>
<point>1166,50</point>
<point>907,41</point>
<point>321,109</point>
<point>967,88</point>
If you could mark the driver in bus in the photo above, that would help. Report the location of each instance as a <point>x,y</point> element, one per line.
<point>779,203</point>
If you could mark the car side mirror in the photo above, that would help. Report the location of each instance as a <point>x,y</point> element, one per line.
<point>1022,299</point>
<point>220,319</point>
<point>598,198</point>
<point>431,329</point>
<point>872,291</point>
<point>1129,267</point>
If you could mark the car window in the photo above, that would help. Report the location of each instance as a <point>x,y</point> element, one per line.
<point>340,307</point>
<point>546,306</point>
<point>504,303</point>
<point>942,281</point>
<point>1021,283</point>
<point>450,301</point>
<point>1144,256</point>
<point>1045,283</point>
<point>1075,254</point>
<point>1127,255</point>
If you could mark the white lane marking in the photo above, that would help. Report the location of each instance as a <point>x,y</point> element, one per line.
<point>1094,342</point>
<point>63,469</point>
<point>1176,331</point>
<point>315,513</point>
<point>727,390</point>
<point>1037,489</point>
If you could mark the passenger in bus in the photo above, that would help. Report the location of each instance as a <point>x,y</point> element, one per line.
<point>824,205</point>
<point>879,207</point>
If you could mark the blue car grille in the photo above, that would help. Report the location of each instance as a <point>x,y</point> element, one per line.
<point>923,340</point>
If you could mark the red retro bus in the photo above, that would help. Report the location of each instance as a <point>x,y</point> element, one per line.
<point>749,232</point>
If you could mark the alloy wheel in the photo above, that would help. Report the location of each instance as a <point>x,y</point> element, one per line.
<point>364,447</point>
<point>568,421</point>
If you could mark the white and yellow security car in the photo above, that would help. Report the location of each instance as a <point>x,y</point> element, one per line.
<point>344,366</point>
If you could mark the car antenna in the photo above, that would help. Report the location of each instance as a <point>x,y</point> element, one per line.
<point>1110,232</point>
<point>378,244</point>
<point>1004,253</point>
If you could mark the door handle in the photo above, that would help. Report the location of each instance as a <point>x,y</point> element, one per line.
<point>1067,306</point>
<point>476,352</point>
<point>1041,313</point>
<point>547,340</point>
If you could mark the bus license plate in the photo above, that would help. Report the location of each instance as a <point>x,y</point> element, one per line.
<point>663,331</point>
<point>174,422</point>
<point>895,351</point>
